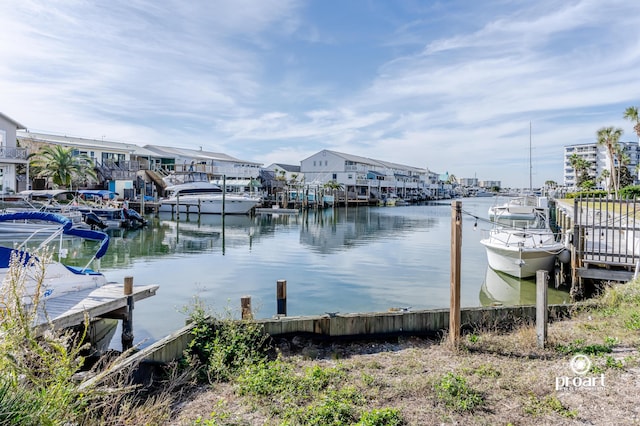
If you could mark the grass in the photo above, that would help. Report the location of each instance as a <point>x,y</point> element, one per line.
<point>492,377</point>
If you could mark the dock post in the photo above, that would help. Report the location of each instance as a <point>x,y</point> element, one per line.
<point>456,245</point>
<point>127,320</point>
<point>281,297</point>
<point>245,306</point>
<point>178,206</point>
<point>541,307</point>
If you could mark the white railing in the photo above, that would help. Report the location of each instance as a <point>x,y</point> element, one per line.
<point>14,153</point>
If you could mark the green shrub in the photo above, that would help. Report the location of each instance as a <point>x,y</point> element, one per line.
<point>381,417</point>
<point>224,346</point>
<point>453,390</point>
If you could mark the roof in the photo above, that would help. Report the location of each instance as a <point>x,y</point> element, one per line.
<point>83,142</point>
<point>287,167</point>
<point>12,121</point>
<point>168,151</point>
<point>374,162</point>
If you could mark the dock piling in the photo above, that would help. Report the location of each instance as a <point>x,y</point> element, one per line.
<point>541,307</point>
<point>281,297</point>
<point>127,319</point>
<point>245,306</point>
<point>456,252</point>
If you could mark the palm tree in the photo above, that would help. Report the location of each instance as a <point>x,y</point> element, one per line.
<point>631,114</point>
<point>580,167</point>
<point>61,165</point>
<point>609,138</point>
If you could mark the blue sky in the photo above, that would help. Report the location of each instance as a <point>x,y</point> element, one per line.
<point>450,86</point>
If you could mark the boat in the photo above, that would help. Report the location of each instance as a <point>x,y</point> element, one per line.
<point>193,192</point>
<point>520,245</point>
<point>97,208</point>
<point>514,208</point>
<point>59,279</point>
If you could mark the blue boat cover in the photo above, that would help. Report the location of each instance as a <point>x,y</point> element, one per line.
<point>34,215</point>
<point>67,227</point>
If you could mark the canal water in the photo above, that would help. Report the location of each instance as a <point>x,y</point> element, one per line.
<point>343,260</point>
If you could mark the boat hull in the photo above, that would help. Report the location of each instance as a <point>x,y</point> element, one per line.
<point>519,261</point>
<point>209,205</point>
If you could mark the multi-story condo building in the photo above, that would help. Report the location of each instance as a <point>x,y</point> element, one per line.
<point>364,178</point>
<point>598,160</point>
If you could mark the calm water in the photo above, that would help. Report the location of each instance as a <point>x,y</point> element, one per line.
<point>345,260</point>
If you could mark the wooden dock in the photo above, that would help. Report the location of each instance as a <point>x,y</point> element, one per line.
<point>108,301</point>
<point>261,210</point>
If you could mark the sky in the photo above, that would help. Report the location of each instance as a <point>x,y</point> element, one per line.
<point>464,87</point>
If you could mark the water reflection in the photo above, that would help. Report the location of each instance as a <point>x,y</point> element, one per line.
<point>499,288</point>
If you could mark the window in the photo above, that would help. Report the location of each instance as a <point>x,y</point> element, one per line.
<point>334,176</point>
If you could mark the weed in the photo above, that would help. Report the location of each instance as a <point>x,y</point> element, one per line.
<point>579,346</point>
<point>473,338</point>
<point>633,323</point>
<point>486,370</point>
<point>611,362</point>
<point>453,390</point>
<point>550,403</point>
<point>381,417</point>
<point>224,346</point>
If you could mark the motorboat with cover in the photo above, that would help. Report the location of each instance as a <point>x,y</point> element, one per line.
<point>193,192</point>
<point>520,245</point>
<point>59,279</point>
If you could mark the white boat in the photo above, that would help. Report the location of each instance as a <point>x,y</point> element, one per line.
<point>194,193</point>
<point>59,279</point>
<point>514,208</point>
<point>520,245</point>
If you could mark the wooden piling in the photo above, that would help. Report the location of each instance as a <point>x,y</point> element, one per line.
<point>127,318</point>
<point>245,307</point>
<point>456,245</point>
<point>541,307</point>
<point>281,297</point>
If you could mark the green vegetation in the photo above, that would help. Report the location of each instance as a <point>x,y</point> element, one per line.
<point>550,403</point>
<point>453,390</point>
<point>39,381</point>
<point>62,165</point>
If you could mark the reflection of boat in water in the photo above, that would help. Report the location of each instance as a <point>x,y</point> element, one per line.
<point>503,289</point>
<point>205,231</point>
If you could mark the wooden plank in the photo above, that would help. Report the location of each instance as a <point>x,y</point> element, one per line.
<point>605,274</point>
<point>70,311</point>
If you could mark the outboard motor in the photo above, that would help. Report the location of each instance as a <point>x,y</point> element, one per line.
<point>94,221</point>
<point>133,216</point>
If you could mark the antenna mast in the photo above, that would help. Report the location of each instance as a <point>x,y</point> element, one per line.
<point>530,164</point>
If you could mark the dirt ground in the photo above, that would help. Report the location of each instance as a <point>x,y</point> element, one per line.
<point>520,383</point>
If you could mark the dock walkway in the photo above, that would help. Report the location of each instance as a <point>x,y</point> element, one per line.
<point>107,301</point>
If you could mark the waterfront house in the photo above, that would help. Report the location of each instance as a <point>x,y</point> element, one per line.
<point>239,175</point>
<point>13,158</point>
<point>365,178</point>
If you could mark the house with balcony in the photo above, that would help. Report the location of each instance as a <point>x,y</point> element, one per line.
<point>364,179</point>
<point>14,163</point>
<point>238,175</point>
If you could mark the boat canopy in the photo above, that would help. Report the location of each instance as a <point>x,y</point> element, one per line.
<point>102,193</point>
<point>66,226</point>
<point>38,215</point>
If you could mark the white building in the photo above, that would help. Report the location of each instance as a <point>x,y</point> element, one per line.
<point>11,156</point>
<point>364,178</point>
<point>598,160</point>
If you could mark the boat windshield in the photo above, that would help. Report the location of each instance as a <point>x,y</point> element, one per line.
<point>537,222</point>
